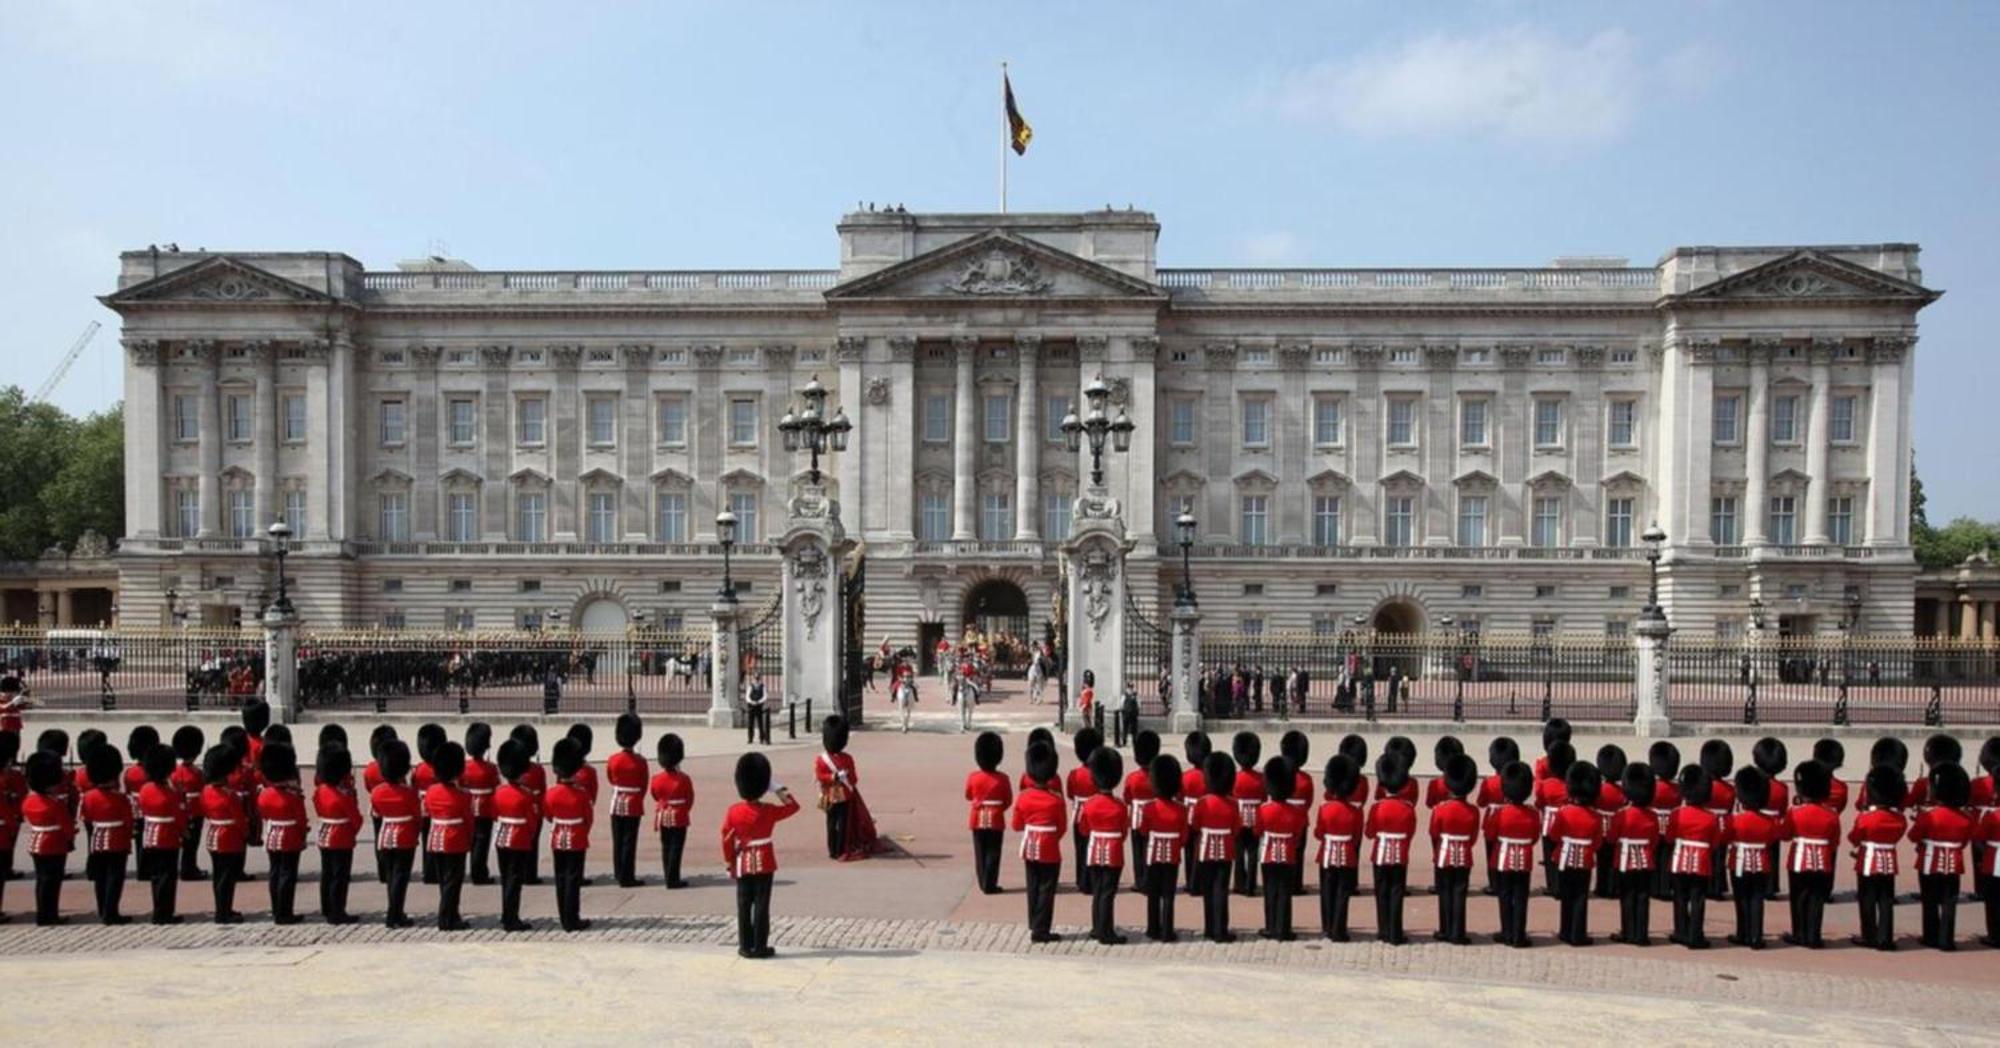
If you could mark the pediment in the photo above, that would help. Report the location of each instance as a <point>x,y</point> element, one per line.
<point>1475,478</point>
<point>220,280</point>
<point>1624,478</point>
<point>996,265</point>
<point>740,477</point>
<point>1184,478</point>
<point>460,476</point>
<point>1808,277</point>
<point>1790,476</point>
<point>670,476</point>
<point>1549,478</point>
<point>392,476</point>
<point>1251,478</point>
<point>1329,478</point>
<point>600,475</point>
<point>528,475</point>
<point>1402,478</point>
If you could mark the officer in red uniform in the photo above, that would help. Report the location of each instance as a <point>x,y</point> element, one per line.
<point>1939,750</point>
<point>1392,822</point>
<point>625,771</point>
<point>1297,751</point>
<point>163,817</point>
<point>1104,823</point>
<point>282,804</point>
<point>1162,834</point>
<point>748,829</point>
<point>1770,757</point>
<point>1693,836</point>
<point>1401,746</point>
<point>1831,755</point>
<point>1047,738</point>
<point>1280,829</point>
<point>222,812</point>
<point>1081,787</point>
<point>1248,791</point>
<point>1665,760</point>
<point>1556,730</point>
<point>1338,827</point>
<point>988,793</point>
<point>1551,793</point>
<point>422,778</point>
<point>371,777</point>
<point>517,822</point>
<point>1512,828</point>
<point>1355,748</point>
<point>1137,792</point>
<point>570,814</point>
<point>1578,831</point>
<point>673,808</point>
<point>1454,830</point>
<point>1876,834</point>
<point>479,782</point>
<point>450,835</point>
<point>1813,827</point>
<point>107,824</point>
<point>1719,761</point>
<point>396,806</point>
<point>51,832</point>
<point>1213,832</point>
<point>1194,785</point>
<point>256,716</point>
<point>1435,791</point>
<point>1751,834</point>
<point>1981,801</point>
<point>536,781</point>
<point>586,773</point>
<point>141,741</point>
<point>339,830</point>
<point>1041,818</point>
<point>1611,763</point>
<point>1634,836</point>
<point>838,778</point>
<point>1941,833</point>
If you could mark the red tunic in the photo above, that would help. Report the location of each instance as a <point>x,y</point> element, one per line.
<point>1836,795</point>
<point>134,781</point>
<point>339,818</point>
<point>517,818</point>
<point>1041,819</point>
<point>1391,824</point>
<point>1692,834</point>
<point>396,805</point>
<point>1750,835</point>
<point>1163,829</point>
<point>1982,799</point>
<point>1105,824</point>
<point>1435,792</point>
<point>1781,797</point>
<point>1989,835</point>
<point>371,777</point>
<point>1633,834</point>
<point>1489,795</point>
<point>1577,831</point>
<point>223,810</point>
<point>1053,785</point>
<point>1138,790</point>
<point>626,774</point>
<point>1338,828</point>
<point>747,829</point>
<point>1941,835</point>
<point>1550,796</point>
<point>1213,828</point>
<point>1814,831</point>
<point>1454,828</point>
<point>1079,787</point>
<point>1249,793</point>
<point>1721,798</point>
<point>988,793</point>
<point>1358,796</point>
<point>837,776</point>
<point>570,815</point>
<point>423,777</point>
<point>164,815</point>
<point>283,809</point>
<point>673,800</point>
<point>1511,832</point>
<point>450,812</point>
<point>187,780</point>
<point>1666,798</point>
<point>481,778</point>
<point>1280,832</point>
<point>1875,835</point>
<point>107,817</point>
<point>586,780</point>
<point>1408,794</point>
<point>1194,785</point>
<point>535,780</point>
<point>50,826</point>
<point>13,790</point>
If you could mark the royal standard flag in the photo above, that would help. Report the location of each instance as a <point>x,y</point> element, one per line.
<point>1019,133</point>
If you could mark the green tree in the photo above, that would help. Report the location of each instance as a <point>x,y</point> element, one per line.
<point>59,476</point>
<point>87,493</point>
<point>1949,546</point>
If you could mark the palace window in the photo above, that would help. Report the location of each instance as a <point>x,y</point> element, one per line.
<point>743,422</point>
<point>393,513</point>
<point>673,421</point>
<point>670,513</point>
<point>999,418</point>
<point>294,408</point>
<point>295,510</point>
<point>1546,530</point>
<point>531,514</point>
<point>187,513</point>
<point>1785,420</point>
<point>1180,421</point>
<point>1326,520</point>
<point>1618,522</point>
<point>1472,520</point>
<point>1548,423</point>
<point>1784,519</point>
<point>531,417</point>
<point>1624,428</point>
<point>1059,407</point>
<point>1722,520</point>
<point>601,517</point>
<point>187,418</point>
<point>1255,520</point>
<point>1472,423</point>
<point>464,422</point>
<point>1840,520</point>
<point>937,418</point>
<point>393,431</point>
<point>1724,421</point>
<point>1256,422</point>
<point>933,517</point>
<point>461,517</point>
<point>1057,509</point>
<point>744,505</point>
<point>1402,422</point>
<point>1840,428</point>
<point>1326,421</point>
<point>602,415</point>
<point>237,411</point>
<point>996,516</point>
<point>1399,517</point>
<point>242,513</point>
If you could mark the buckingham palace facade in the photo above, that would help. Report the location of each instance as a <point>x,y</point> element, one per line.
<point>459,448</point>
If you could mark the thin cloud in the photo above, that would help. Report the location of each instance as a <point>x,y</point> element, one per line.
<point>1268,249</point>
<point>1514,84</point>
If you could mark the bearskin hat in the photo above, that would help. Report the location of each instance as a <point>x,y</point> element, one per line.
<point>1830,753</point>
<point>1950,786</point>
<point>1106,769</point>
<point>393,762</point>
<point>478,739</point>
<point>1197,748</point>
<point>1717,759</point>
<point>103,765</point>
<point>44,770</point>
<point>1556,730</point>
<point>188,741</point>
<point>1770,756</point>
<point>1583,782</point>
<point>584,737</point>
<point>1145,747</point>
<point>54,740</point>
<point>1695,786</point>
<point>1665,759</point>
<point>448,762</point>
<point>1085,742</point>
<point>220,760</point>
<point>671,751</point>
<point>753,774</point>
<point>141,742</point>
<point>628,730</point>
<point>529,738</point>
<point>1403,747</point>
<point>334,765</point>
<point>1813,781</point>
<point>1753,789</point>
<point>1889,752</point>
<point>378,735</point>
<point>1340,775</point>
<point>278,733</point>
<point>158,762</point>
<point>1561,755</point>
<point>1502,752</point>
<point>87,741</point>
<point>1392,770</point>
<point>1942,749</point>
<point>1886,786</point>
<point>1517,782</point>
<point>332,735</point>
<point>1447,747</point>
<point>1611,764</point>
<point>1295,747</point>
<point>429,738</point>
<point>1355,748</point>
<point>1461,775</point>
<point>987,750</point>
<point>1220,772</point>
<point>1279,779</point>
<point>833,734</point>
<point>566,757</point>
<point>1247,748</point>
<point>236,739</point>
<point>256,716</point>
<point>1637,784</point>
<point>1165,775</point>
<point>1043,736</point>
<point>1989,755</point>
<point>278,762</point>
<point>1041,762</point>
<point>512,759</point>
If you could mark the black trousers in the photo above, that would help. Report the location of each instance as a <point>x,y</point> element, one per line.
<point>513,875</point>
<point>1138,846</point>
<point>836,830</point>
<point>625,850</point>
<point>1877,896</point>
<point>758,724</point>
<point>428,866</point>
<point>986,859</point>
<point>336,872</point>
<point>1104,901</point>
<point>165,877</point>
<point>1938,895</point>
<point>451,885</point>
<point>49,870</point>
<point>284,885</point>
<point>1042,878</point>
<point>1663,879</point>
<point>1188,864</point>
<point>1278,901</point>
<point>569,889</point>
<point>1214,886</point>
<point>381,857</point>
<point>1635,907</point>
<point>533,874</point>
<point>1246,862</point>
<point>396,874</point>
<point>1989,893</point>
<point>1718,880</point>
<point>1810,892</point>
<point>482,848</point>
<point>1751,891</point>
<point>1607,878</point>
<point>191,851</point>
<point>1391,886</point>
<point>1511,889</point>
<point>225,873</point>
<point>1160,880</point>
<point>673,844</point>
<point>1336,890</point>
<point>1573,891</point>
<point>1452,886</point>
<point>1690,909</point>
<point>1081,841</point>
<point>142,868</point>
<point>106,871</point>
<point>753,913</point>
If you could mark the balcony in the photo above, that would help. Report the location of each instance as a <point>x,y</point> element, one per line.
<point>1620,284</point>
<point>391,288</point>
<point>558,549</point>
<point>1032,550</point>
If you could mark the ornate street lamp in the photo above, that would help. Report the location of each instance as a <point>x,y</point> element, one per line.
<point>1184,530</point>
<point>810,430</point>
<point>554,619</point>
<point>1757,615</point>
<point>1096,426</point>
<point>281,546</point>
<point>725,533</point>
<point>1654,538</point>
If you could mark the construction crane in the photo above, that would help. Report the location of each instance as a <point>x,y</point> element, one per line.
<point>68,359</point>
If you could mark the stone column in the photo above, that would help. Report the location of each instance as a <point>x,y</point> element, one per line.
<point>65,609</point>
<point>851,467</point>
<point>725,670</point>
<point>1218,426</point>
<point>565,442</point>
<point>899,440</point>
<point>1941,619</point>
<point>266,434</point>
<point>209,357</point>
<point>1968,618</point>
<point>1986,623</point>
<point>1185,619</point>
<point>425,438</point>
<point>1757,445</point>
<point>45,608</point>
<point>496,441</point>
<point>1888,455</point>
<point>964,439</point>
<point>1027,440</point>
<point>635,443</point>
<point>814,544</point>
<point>281,663</point>
<point>708,431</point>
<point>1096,601</point>
<point>1512,436</point>
<point>1651,717</point>
<point>1364,509</point>
<point>1439,453</point>
<point>1817,419</point>
<point>145,436</point>
<point>1586,452</point>
<point>1142,470</point>
<point>321,432</point>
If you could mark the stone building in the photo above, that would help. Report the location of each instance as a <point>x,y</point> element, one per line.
<point>466,448</point>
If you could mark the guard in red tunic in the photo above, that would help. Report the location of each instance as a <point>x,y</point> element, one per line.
<point>1512,828</point>
<point>1876,834</point>
<point>339,831</point>
<point>1693,835</point>
<point>1831,755</point>
<point>1137,792</point>
<point>1248,791</point>
<point>1813,828</point>
<point>1454,830</point>
<point>1665,760</point>
<point>450,834</point>
<point>748,831</point>
<point>1280,829</point>
<point>1551,793</point>
<point>1719,761</point>
<point>1213,832</point>
<point>1611,763</point>
<point>850,833</point>
<point>1194,785</point>
<point>222,812</point>
<point>1555,731</point>
<point>371,777</point>
<point>1771,758</point>
<point>1104,824</point>
<point>1392,822</point>
<point>282,803</point>
<point>1435,791</point>
<point>568,808</point>
<point>1578,831</point>
<point>141,741</point>
<point>1939,750</point>
<point>1041,818</point>
<point>163,819</point>
<point>1500,753</point>
<point>1988,874</point>
<point>586,773</point>
<point>625,771</point>
<point>1401,746</point>
<point>1633,836</point>
<point>256,716</point>
<point>517,822</point>
<point>673,808</point>
<point>422,778</point>
<point>1355,748</point>
<point>1080,788</point>
<point>107,825</point>
<point>536,781</point>
<point>1297,750</point>
<point>1338,830</point>
<point>1941,833</point>
<point>1982,801</point>
<point>13,790</point>
<point>51,832</point>
<point>1751,835</point>
<point>988,795</point>
<point>479,782</point>
<point>396,806</point>
<point>1162,833</point>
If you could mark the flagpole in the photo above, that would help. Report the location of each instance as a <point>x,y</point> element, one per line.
<point>1006,130</point>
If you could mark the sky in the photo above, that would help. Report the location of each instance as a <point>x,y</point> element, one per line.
<point>657,135</point>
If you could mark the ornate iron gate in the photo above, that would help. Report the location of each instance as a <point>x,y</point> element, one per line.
<point>1148,652</point>
<point>760,649</point>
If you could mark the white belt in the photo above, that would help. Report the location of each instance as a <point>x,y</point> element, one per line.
<point>1933,847</point>
<point>446,822</point>
<point>1210,831</point>
<point>758,843</point>
<point>397,818</point>
<point>479,793</point>
<point>1155,838</point>
<point>1298,802</point>
<point>1392,836</point>
<point>511,820</point>
<point>1113,835</point>
<point>680,802</point>
<point>993,804</point>
<point>160,818</point>
<point>565,822</point>
<point>628,789</point>
<point>1038,827</point>
<point>211,822</point>
<point>50,829</point>
<point>280,822</point>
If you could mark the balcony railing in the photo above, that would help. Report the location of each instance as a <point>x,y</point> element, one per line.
<point>1406,280</point>
<point>715,280</point>
<point>558,549</point>
<point>977,547</point>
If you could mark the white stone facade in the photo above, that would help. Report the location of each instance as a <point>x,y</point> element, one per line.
<point>459,447</point>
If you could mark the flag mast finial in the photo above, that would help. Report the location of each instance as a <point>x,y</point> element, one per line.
<point>1006,135</point>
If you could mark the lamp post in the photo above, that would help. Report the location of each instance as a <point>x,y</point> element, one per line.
<point>1654,537</point>
<point>725,533</point>
<point>281,546</point>
<point>1096,426</point>
<point>810,430</point>
<point>1184,530</point>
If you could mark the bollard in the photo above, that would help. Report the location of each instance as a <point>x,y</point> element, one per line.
<point>1840,707</point>
<point>1458,703</point>
<point>809,713</point>
<point>1548,703</point>
<point>464,702</point>
<point>1750,704</point>
<point>381,702</point>
<point>791,720</point>
<point>1934,711</point>
<point>1368,703</point>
